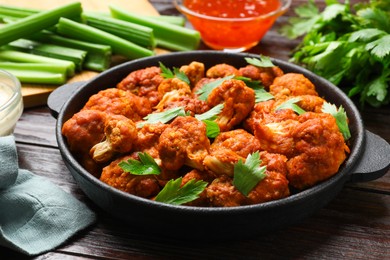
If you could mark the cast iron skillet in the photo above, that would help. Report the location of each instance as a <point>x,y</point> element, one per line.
<point>369,159</point>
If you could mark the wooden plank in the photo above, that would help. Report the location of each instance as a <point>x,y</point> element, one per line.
<point>36,94</point>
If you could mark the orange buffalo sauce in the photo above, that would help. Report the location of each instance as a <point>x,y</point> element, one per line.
<point>233,8</point>
<point>244,32</point>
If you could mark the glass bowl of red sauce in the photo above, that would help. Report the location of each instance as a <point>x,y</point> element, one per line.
<point>232,25</point>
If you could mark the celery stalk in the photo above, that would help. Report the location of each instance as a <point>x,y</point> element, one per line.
<point>98,55</point>
<point>17,56</point>
<point>42,73</point>
<point>132,32</point>
<point>36,22</point>
<point>167,35</point>
<point>17,12</point>
<point>49,50</point>
<point>85,32</point>
<point>172,19</point>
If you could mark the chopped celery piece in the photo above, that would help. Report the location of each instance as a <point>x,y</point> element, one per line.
<point>17,56</point>
<point>98,55</point>
<point>49,50</point>
<point>17,12</point>
<point>167,35</point>
<point>172,19</point>
<point>38,73</point>
<point>36,22</point>
<point>85,32</point>
<point>132,32</point>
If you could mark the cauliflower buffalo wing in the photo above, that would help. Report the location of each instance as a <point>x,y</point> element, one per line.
<point>194,71</point>
<point>228,148</point>
<point>265,75</point>
<point>184,141</point>
<point>119,102</point>
<point>145,186</point>
<point>238,100</point>
<point>120,134</point>
<point>143,83</point>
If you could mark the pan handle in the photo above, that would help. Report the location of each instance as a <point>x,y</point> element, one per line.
<point>60,95</point>
<point>375,160</point>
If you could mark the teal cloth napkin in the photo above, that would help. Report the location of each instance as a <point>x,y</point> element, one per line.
<point>36,216</point>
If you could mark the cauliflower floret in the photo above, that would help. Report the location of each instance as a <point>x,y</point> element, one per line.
<point>238,100</point>
<point>194,71</point>
<point>228,148</point>
<point>292,84</point>
<point>319,150</point>
<point>143,83</point>
<point>119,102</point>
<point>221,70</point>
<point>265,75</point>
<point>120,135</point>
<point>82,131</point>
<point>184,142</point>
<point>145,186</point>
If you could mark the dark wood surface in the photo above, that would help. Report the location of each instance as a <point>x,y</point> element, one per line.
<point>355,225</point>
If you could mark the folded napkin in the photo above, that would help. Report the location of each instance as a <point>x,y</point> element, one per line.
<point>36,216</point>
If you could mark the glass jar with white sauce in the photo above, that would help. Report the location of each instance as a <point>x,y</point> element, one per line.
<point>11,102</point>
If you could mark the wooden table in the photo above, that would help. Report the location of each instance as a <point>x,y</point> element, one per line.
<point>355,225</point>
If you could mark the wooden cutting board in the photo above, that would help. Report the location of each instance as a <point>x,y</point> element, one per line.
<point>36,95</point>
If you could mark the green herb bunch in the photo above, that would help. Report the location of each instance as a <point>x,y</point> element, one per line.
<point>348,45</point>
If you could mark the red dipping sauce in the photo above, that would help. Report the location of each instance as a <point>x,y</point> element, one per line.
<point>234,25</point>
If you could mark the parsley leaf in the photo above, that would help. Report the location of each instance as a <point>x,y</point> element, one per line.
<point>173,193</point>
<point>341,118</point>
<point>208,118</point>
<point>211,114</point>
<point>291,104</point>
<point>263,62</point>
<point>212,128</point>
<point>145,166</point>
<point>262,95</point>
<point>247,175</point>
<point>162,117</point>
<point>205,91</point>
<point>168,74</point>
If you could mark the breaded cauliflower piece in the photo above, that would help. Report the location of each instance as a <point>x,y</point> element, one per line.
<point>320,149</point>
<point>222,193</point>
<point>145,186</point>
<point>120,134</point>
<point>82,131</point>
<point>195,71</point>
<point>238,100</point>
<point>292,84</point>
<point>184,142</point>
<point>143,83</point>
<point>221,70</point>
<point>228,148</point>
<point>119,102</point>
<point>265,75</point>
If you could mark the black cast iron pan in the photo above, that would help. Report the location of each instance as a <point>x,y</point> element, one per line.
<point>369,159</point>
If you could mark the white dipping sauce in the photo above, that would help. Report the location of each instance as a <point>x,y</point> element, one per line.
<point>11,103</point>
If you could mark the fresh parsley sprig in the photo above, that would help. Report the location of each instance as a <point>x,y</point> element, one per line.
<point>207,88</point>
<point>146,165</point>
<point>291,104</point>
<point>212,127</point>
<point>247,175</point>
<point>341,118</point>
<point>174,193</point>
<point>262,62</point>
<point>348,45</point>
<point>162,117</point>
<point>176,73</point>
